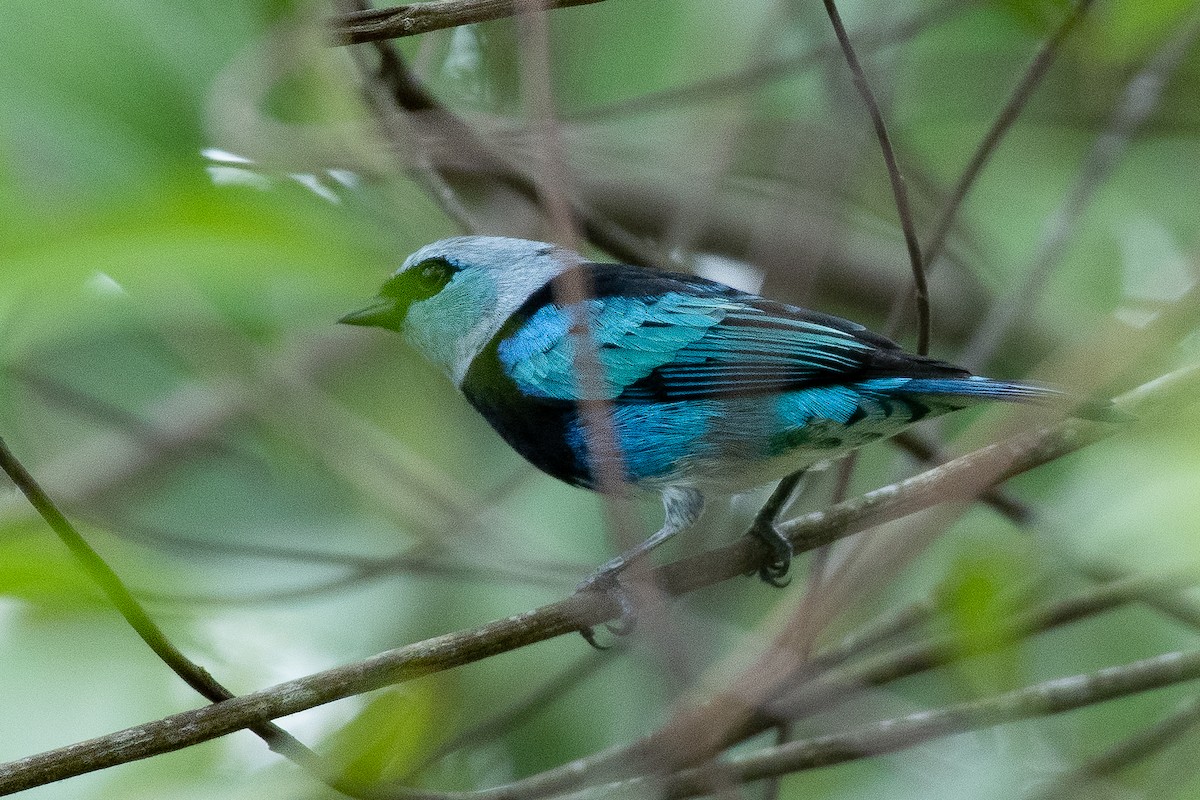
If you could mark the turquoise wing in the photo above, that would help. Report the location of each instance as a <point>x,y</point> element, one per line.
<point>681,339</point>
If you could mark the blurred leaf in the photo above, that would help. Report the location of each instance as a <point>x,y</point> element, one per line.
<point>1139,511</point>
<point>395,731</point>
<point>1125,31</point>
<point>1040,16</point>
<point>35,566</point>
<point>978,599</point>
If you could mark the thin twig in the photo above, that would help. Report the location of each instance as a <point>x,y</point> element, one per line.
<point>1029,82</point>
<point>1024,90</point>
<point>1183,608</point>
<point>899,190</point>
<point>892,735</point>
<point>523,709</point>
<point>866,638</point>
<point>465,155</point>
<point>762,72</point>
<point>1081,781</point>
<point>415,18</point>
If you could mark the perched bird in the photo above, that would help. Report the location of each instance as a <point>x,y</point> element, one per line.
<point>710,389</point>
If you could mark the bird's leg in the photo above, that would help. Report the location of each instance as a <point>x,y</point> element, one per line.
<point>775,567</point>
<point>682,507</point>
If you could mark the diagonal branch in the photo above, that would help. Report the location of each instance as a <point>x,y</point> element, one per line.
<point>1081,782</point>
<point>899,189</point>
<point>375,24</point>
<point>991,141</point>
<point>1017,101</point>
<point>458,153</point>
<point>892,735</point>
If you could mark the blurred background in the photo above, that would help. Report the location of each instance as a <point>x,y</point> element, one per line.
<point>192,193</point>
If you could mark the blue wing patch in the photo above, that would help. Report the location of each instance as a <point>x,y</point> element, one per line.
<point>634,337</point>
<point>680,346</point>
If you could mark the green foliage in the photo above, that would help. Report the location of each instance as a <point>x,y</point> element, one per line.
<point>395,733</point>
<point>36,568</point>
<point>983,591</point>
<point>1039,16</point>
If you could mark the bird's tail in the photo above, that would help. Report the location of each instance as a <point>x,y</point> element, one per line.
<point>978,389</point>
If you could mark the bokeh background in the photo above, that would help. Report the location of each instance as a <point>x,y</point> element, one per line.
<point>288,496</point>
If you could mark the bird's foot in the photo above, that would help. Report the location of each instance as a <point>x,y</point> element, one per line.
<point>607,579</point>
<point>774,568</point>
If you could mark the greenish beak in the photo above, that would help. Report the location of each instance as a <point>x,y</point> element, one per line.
<point>383,313</point>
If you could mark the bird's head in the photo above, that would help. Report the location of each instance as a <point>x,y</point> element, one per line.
<point>451,297</point>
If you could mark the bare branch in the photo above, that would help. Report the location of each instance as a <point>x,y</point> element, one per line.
<point>459,154</point>
<point>1081,782</point>
<point>523,709</point>
<point>921,447</point>
<point>375,24</point>
<point>899,190</point>
<point>763,72</point>
<point>991,141</point>
<point>891,735</point>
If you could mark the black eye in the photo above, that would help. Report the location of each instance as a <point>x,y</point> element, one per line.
<point>420,281</point>
<point>434,271</point>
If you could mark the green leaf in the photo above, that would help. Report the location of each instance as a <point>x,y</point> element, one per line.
<point>395,732</point>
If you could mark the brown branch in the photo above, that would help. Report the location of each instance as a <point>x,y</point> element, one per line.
<point>762,73</point>
<point>376,24</point>
<point>1183,608</point>
<point>991,141</point>
<point>923,448</point>
<point>1080,782</point>
<point>899,190</point>
<point>892,735</point>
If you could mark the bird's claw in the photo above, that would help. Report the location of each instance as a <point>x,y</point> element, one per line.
<point>774,568</point>
<point>775,573</point>
<point>609,582</point>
